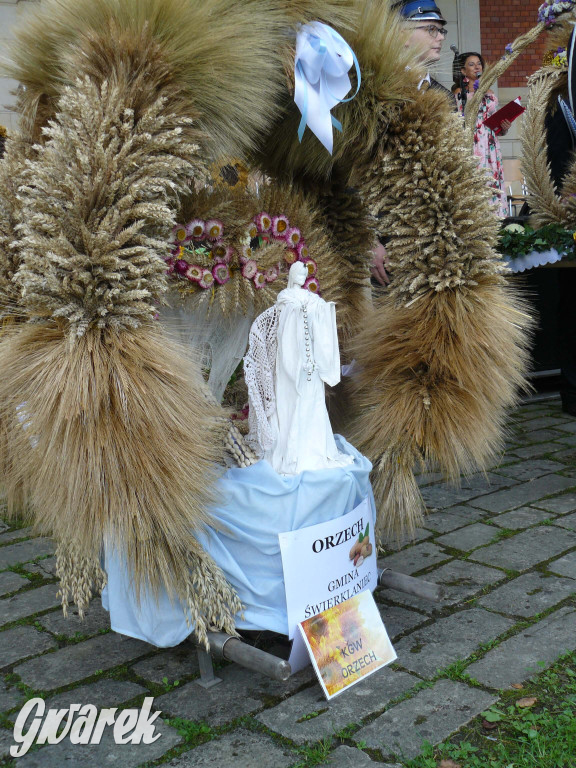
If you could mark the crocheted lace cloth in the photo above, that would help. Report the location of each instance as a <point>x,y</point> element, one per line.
<point>259,371</point>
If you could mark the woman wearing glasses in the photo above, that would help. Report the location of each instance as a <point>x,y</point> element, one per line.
<point>470,65</point>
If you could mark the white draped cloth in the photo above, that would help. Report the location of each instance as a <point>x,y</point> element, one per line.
<point>296,422</point>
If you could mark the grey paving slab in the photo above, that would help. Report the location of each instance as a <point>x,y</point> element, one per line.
<point>455,517</point>
<point>561,505</point>
<point>432,715</point>
<point>45,567</point>
<point>443,496</point>
<point>348,757</point>
<point>173,664</point>
<point>241,693</point>
<point>524,493</point>
<point>9,697</point>
<point>468,538</point>
<point>20,642</point>
<point>28,603</point>
<point>414,558</point>
<point>10,582</point>
<point>565,566</point>
<point>240,749</point>
<point>538,449</point>
<point>541,422</point>
<point>527,653</point>
<point>567,455</point>
<point>520,518</point>
<point>18,533</point>
<point>95,620</point>
<point>103,693</point>
<point>291,718</point>
<point>107,754</point>
<point>24,551</point>
<point>527,548</point>
<point>428,649</point>
<point>529,470</point>
<point>77,662</point>
<point>398,620</point>
<point>568,426</point>
<point>460,578</point>
<point>539,435</point>
<point>529,594</point>
<point>6,742</point>
<point>568,521</point>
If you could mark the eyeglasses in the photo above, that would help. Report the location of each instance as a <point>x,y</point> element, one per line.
<point>435,31</point>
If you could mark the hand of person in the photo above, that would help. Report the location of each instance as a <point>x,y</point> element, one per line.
<point>377,267</point>
<point>505,126</point>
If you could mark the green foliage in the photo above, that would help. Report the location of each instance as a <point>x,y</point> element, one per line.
<point>514,734</point>
<point>514,244</point>
<point>192,732</point>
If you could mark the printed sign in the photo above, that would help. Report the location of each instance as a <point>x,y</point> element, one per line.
<point>347,643</point>
<point>328,563</point>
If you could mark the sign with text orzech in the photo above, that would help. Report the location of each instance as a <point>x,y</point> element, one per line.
<point>324,565</point>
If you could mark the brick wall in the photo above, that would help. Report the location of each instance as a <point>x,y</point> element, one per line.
<point>500,23</point>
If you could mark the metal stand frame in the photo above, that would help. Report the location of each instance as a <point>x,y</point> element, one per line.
<point>224,646</point>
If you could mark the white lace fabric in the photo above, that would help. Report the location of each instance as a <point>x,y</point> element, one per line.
<point>259,373</point>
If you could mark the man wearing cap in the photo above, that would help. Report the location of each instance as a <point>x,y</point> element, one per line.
<point>427,32</point>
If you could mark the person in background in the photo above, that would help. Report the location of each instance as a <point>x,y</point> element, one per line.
<point>427,32</point>
<point>486,143</point>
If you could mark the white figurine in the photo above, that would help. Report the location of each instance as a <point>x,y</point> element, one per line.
<point>293,352</point>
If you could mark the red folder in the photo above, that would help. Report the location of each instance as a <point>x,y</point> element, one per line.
<point>509,111</point>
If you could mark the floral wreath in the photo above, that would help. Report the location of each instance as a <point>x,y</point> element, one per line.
<point>200,258</point>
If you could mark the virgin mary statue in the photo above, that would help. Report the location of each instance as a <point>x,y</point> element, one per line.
<point>293,352</point>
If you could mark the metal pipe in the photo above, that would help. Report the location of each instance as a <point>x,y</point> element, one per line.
<point>233,649</point>
<point>410,585</point>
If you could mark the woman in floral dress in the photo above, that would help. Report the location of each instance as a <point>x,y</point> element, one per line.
<point>486,144</point>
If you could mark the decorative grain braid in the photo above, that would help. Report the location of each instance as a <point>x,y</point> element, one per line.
<point>543,198</point>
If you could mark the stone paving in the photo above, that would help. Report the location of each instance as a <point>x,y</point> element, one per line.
<point>504,548</point>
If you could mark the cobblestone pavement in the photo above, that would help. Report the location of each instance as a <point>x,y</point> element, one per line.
<point>503,546</point>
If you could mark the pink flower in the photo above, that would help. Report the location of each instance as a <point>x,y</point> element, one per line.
<point>311,265</point>
<point>271,274</point>
<point>219,251</point>
<point>214,229</point>
<point>207,279</point>
<point>221,273</point>
<point>181,266</point>
<point>302,250</point>
<point>280,226</point>
<point>252,230</point>
<point>195,229</point>
<point>290,256</point>
<point>312,285</point>
<point>259,280</point>
<point>263,222</point>
<point>194,273</point>
<point>249,269</point>
<point>293,236</point>
<point>246,254</point>
<point>170,265</point>
<point>224,256</point>
<point>179,233</point>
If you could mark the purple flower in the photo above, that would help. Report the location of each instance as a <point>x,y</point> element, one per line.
<point>509,48</point>
<point>476,84</point>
